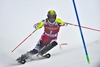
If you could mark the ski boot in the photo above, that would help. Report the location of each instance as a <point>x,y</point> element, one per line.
<point>26,56</point>
<point>21,59</point>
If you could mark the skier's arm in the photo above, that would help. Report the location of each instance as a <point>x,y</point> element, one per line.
<point>60,22</point>
<point>39,25</point>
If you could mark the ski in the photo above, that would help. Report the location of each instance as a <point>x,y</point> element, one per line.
<point>23,61</point>
<point>48,55</point>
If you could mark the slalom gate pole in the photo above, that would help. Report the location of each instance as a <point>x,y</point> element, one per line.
<point>85,27</point>
<point>23,41</point>
<point>87,57</point>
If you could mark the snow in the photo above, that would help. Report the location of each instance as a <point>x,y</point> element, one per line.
<point>65,57</point>
<point>16,23</point>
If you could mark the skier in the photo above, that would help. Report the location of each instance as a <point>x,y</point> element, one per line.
<point>47,41</point>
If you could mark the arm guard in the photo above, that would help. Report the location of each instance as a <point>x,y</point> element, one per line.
<point>39,25</point>
<point>60,22</point>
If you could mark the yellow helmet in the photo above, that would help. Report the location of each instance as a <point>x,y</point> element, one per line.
<point>51,13</point>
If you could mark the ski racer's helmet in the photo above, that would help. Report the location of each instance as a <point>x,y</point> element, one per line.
<point>51,16</point>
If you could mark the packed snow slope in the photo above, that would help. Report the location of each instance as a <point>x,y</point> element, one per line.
<point>67,56</point>
<point>17,18</point>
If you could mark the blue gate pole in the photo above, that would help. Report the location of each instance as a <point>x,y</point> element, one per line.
<point>87,57</point>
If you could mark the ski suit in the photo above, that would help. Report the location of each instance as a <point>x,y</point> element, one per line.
<point>50,31</point>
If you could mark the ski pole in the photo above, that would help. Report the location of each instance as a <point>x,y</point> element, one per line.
<point>23,41</point>
<point>85,27</point>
